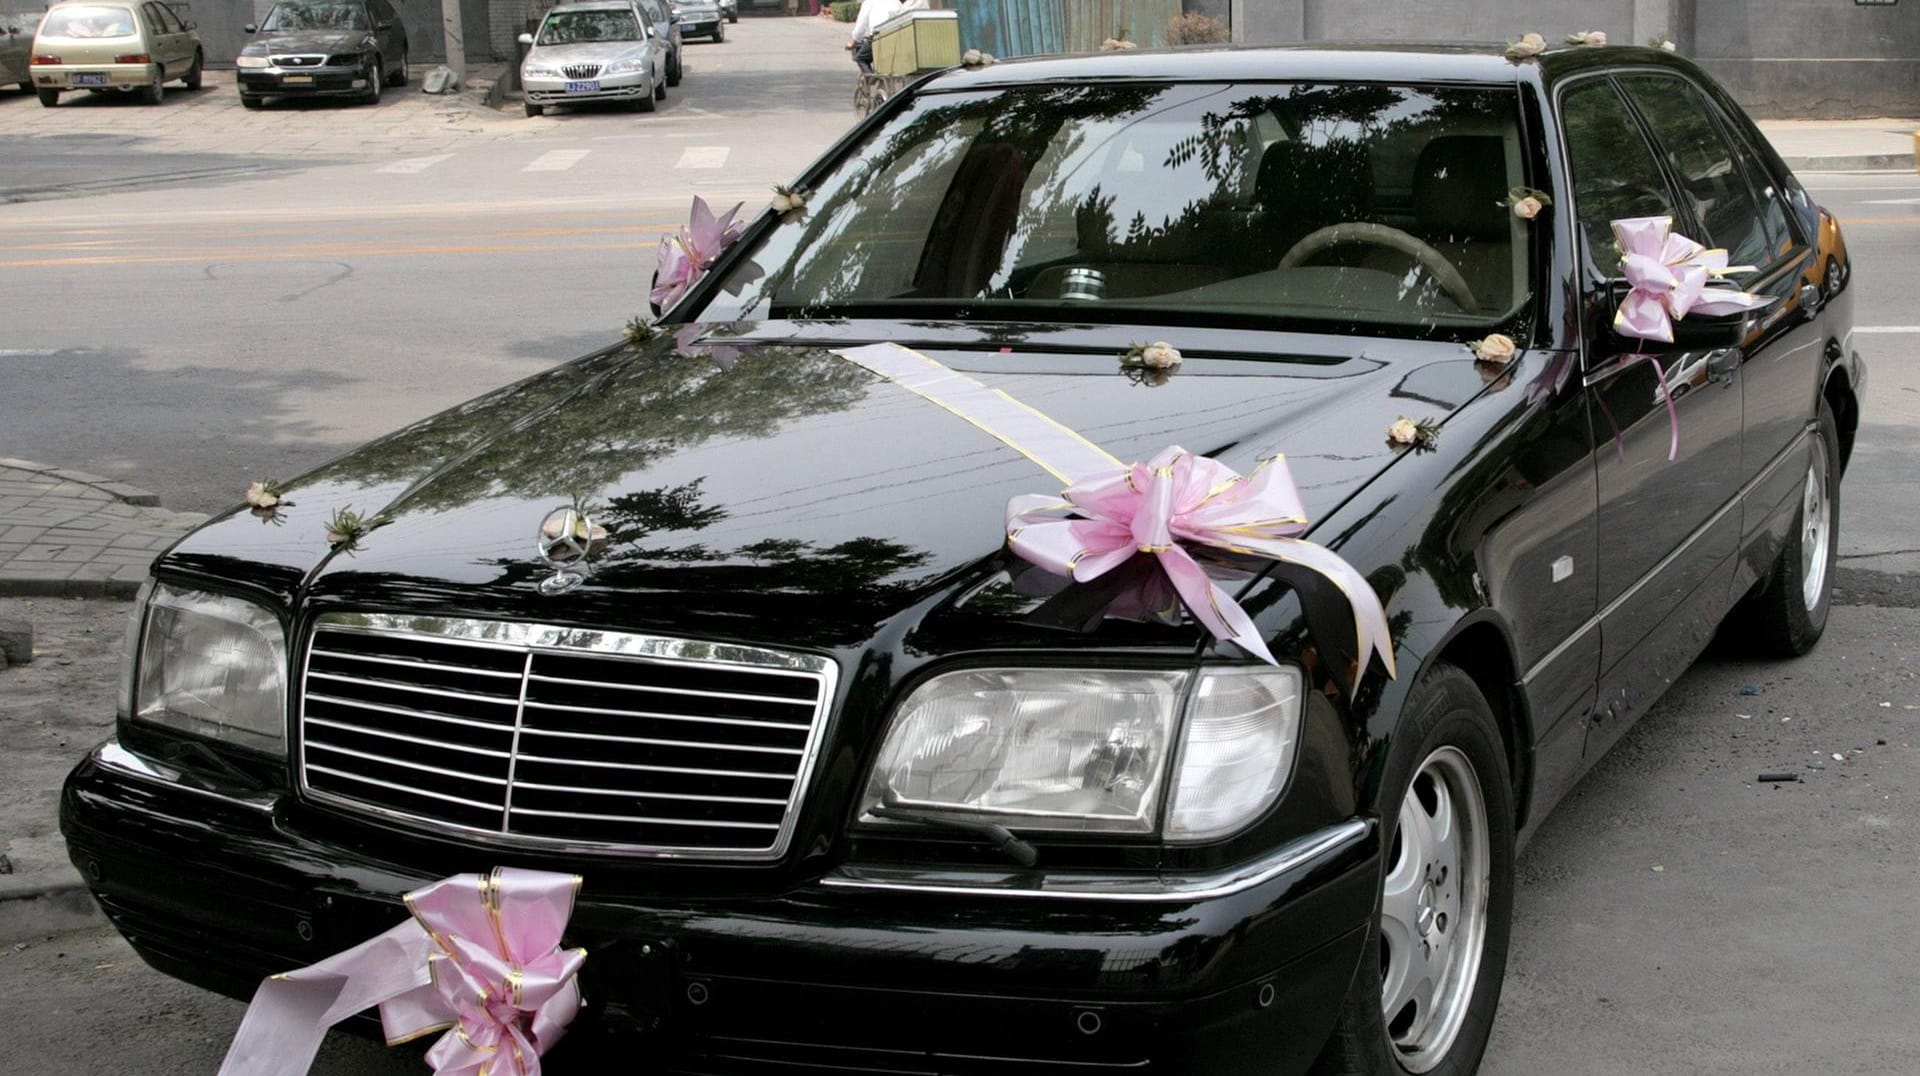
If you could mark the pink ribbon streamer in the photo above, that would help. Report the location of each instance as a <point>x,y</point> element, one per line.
<point>1666,396</point>
<point>1103,520</point>
<point>1670,277</point>
<point>480,960</point>
<point>685,257</point>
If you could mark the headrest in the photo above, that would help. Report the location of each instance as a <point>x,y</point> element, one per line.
<point>1460,187</point>
<point>1316,185</point>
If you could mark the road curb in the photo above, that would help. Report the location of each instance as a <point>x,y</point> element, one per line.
<point>1853,162</point>
<point>21,587</point>
<point>51,907</point>
<point>119,491</point>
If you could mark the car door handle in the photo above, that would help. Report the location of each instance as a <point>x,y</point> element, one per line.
<point>1722,363</point>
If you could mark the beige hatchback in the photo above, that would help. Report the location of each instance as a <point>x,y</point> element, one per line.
<point>132,45</point>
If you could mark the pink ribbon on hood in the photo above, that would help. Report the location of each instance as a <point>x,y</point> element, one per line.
<point>1671,276</point>
<point>480,960</point>
<point>1103,520</point>
<point>685,256</point>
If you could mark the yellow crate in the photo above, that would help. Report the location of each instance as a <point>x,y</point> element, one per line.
<point>917,41</point>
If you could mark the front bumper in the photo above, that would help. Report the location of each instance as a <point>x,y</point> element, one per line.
<point>306,82</point>
<point>703,28</point>
<point>875,972</point>
<point>92,76</point>
<point>553,91</point>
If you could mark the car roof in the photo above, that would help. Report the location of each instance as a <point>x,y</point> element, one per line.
<point>592,5</point>
<point>1396,61</point>
<point>124,5</point>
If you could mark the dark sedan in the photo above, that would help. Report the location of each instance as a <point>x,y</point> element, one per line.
<point>323,48</point>
<point>877,753</point>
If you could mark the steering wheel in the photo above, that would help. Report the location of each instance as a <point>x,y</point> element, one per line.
<point>1381,235</point>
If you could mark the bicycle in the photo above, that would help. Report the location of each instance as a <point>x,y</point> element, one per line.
<point>871,88</point>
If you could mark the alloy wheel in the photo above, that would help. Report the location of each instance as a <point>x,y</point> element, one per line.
<point>1816,528</point>
<point>1433,910</point>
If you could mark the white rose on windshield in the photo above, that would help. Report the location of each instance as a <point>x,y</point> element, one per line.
<point>1496,348</point>
<point>1158,355</point>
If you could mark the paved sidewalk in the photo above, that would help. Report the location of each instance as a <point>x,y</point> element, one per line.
<point>1866,145</point>
<point>69,534</point>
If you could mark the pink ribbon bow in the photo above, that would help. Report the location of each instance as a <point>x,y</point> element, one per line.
<point>480,959</point>
<point>1101,522</point>
<point>1670,277</point>
<point>685,257</point>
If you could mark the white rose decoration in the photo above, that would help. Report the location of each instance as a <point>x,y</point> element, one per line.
<point>1403,431</point>
<point>262,495</point>
<point>788,199</point>
<point>1159,355</point>
<point>1530,44</point>
<point>1497,349</point>
<point>1588,37</point>
<point>1527,208</point>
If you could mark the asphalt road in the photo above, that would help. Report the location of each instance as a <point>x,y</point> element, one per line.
<point>1672,916</point>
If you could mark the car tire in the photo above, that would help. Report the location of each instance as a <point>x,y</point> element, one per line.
<point>535,110</point>
<point>196,75</point>
<point>49,98</point>
<point>719,33</point>
<point>644,102</point>
<point>734,17</point>
<point>660,90</point>
<point>1785,613</point>
<point>252,100</point>
<point>673,70</point>
<point>1446,777</point>
<point>376,74</point>
<point>154,92</point>
<point>400,73</point>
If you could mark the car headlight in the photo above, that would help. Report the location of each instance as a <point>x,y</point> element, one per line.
<point>628,66</point>
<point>251,63</point>
<point>538,71</point>
<point>213,666</point>
<point>1093,751</point>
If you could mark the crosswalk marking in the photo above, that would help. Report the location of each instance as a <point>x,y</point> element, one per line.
<point>412,165</point>
<point>557,160</point>
<point>703,157</point>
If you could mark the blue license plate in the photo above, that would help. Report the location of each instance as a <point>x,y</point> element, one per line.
<point>584,87</point>
<point>84,79</point>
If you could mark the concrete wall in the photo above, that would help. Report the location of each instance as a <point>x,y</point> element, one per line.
<point>1813,58</point>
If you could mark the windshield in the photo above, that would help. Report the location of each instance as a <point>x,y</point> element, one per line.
<point>316,17</point>
<point>1380,207</point>
<point>579,27</point>
<point>88,22</point>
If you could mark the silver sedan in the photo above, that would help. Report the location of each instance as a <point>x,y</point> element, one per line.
<point>593,52</point>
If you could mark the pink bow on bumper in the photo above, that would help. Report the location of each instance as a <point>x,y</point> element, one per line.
<point>1671,277</point>
<point>685,257</point>
<point>480,959</point>
<point>1101,522</point>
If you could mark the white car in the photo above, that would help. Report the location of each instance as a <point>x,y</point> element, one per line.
<point>587,52</point>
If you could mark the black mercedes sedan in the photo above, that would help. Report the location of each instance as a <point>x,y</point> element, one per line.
<point>323,48</point>
<point>1101,578</point>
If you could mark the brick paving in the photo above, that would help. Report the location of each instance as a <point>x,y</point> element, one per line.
<point>70,534</point>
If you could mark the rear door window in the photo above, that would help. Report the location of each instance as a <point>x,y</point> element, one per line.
<point>1614,171</point>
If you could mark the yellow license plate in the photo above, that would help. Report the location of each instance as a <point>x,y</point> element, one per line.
<point>298,78</point>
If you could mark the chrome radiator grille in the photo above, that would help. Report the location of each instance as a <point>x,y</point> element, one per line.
<point>580,70</point>
<point>585,739</point>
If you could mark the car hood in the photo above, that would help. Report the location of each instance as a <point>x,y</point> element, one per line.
<point>289,41</point>
<point>769,490</point>
<point>596,52</point>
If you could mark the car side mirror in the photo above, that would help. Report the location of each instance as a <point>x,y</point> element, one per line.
<point>191,25</point>
<point>1695,332</point>
<point>251,28</point>
<point>525,39</point>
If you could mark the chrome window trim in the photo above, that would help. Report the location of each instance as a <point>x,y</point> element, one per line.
<point>534,638</point>
<point>1307,851</point>
<point>1699,532</point>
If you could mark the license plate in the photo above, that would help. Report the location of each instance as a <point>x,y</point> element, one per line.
<point>90,80</point>
<point>584,87</point>
<point>296,79</point>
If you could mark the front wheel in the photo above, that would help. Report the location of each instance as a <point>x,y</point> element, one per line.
<point>535,110</point>
<point>375,75</point>
<point>719,33</point>
<point>1429,980</point>
<point>660,90</point>
<point>195,74</point>
<point>645,102</point>
<point>1786,612</point>
<point>400,73</point>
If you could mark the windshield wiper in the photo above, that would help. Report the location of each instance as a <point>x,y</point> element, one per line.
<point>999,838</point>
